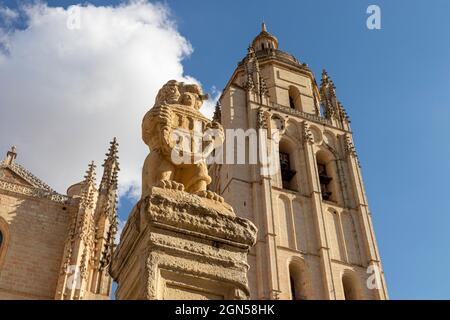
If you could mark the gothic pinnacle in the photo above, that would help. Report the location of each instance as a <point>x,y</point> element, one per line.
<point>217,113</point>
<point>90,173</point>
<point>113,150</point>
<point>110,167</point>
<point>87,194</point>
<point>327,82</point>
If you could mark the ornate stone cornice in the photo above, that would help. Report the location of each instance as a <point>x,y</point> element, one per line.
<point>297,113</point>
<point>26,175</point>
<point>33,192</point>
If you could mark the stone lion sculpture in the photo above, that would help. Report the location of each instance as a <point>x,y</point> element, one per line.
<point>170,129</point>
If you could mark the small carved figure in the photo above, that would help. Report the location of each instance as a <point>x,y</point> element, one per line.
<point>174,128</point>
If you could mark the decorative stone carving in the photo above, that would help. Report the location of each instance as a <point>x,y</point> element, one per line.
<point>278,123</point>
<point>33,192</point>
<point>10,163</point>
<point>342,113</point>
<point>175,121</point>
<point>263,90</point>
<point>88,189</point>
<point>181,241</point>
<point>350,148</point>
<point>305,115</point>
<point>262,119</point>
<point>251,66</point>
<point>333,109</point>
<point>307,134</point>
<point>90,242</point>
<point>254,82</point>
<point>187,243</point>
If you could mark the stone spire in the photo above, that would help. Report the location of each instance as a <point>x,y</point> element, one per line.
<point>264,27</point>
<point>88,189</point>
<point>89,178</point>
<point>254,81</point>
<point>90,244</point>
<point>333,109</point>
<point>107,203</point>
<point>110,168</point>
<point>342,113</point>
<point>80,243</point>
<point>217,113</point>
<point>106,220</point>
<point>327,85</point>
<point>328,95</point>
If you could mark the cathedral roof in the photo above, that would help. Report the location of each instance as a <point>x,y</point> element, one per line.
<point>31,179</point>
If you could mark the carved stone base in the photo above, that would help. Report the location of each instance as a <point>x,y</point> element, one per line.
<point>177,245</point>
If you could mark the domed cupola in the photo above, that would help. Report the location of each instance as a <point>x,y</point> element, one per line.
<point>264,40</point>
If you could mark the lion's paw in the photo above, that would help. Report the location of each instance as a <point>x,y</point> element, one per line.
<point>210,195</point>
<point>170,184</point>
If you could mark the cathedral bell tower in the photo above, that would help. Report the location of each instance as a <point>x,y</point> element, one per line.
<point>315,236</point>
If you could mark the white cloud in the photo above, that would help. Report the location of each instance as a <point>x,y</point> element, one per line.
<point>7,14</point>
<point>65,92</point>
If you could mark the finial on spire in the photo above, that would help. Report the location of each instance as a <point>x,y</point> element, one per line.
<point>264,27</point>
<point>111,167</point>
<point>90,173</point>
<point>327,82</point>
<point>87,193</point>
<point>11,155</point>
<point>113,149</point>
<point>217,113</point>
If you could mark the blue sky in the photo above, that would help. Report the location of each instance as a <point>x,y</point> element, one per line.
<point>394,84</point>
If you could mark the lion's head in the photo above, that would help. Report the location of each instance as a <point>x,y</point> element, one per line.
<point>174,92</point>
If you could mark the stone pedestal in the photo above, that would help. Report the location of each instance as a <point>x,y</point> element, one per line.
<point>177,245</point>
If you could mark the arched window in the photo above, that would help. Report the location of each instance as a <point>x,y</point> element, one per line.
<point>291,102</point>
<point>293,295</point>
<point>350,287</point>
<point>287,166</point>
<point>286,172</point>
<point>326,176</point>
<point>299,281</point>
<point>295,98</point>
